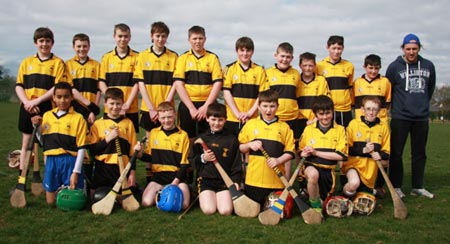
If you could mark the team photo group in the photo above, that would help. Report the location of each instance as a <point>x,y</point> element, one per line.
<point>236,138</point>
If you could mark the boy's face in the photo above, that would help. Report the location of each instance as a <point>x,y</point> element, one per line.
<point>167,119</point>
<point>122,38</point>
<point>44,46</point>
<point>197,42</point>
<point>62,98</point>
<point>244,55</point>
<point>411,52</point>
<point>335,51</point>
<point>372,71</point>
<point>268,110</point>
<point>216,123</point>
<point>325,117</point>
<point>81,49</point>
<point>114,106</point>
<point>370,110</point>
<point>159,39</point>
<point>283,59</point>
<point>308,67</point>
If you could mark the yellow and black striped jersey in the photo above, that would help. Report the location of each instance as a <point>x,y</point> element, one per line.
<point>198,73</point>
<point>156,72</point>
<point>286,83</point>
<point>63,134</point>
<point>379,87</point>
<point>106,152</point>
<point>340,78</point>
<point>332,140</point>
<point>37,76</point>
<point>277,138</point>
<point>308,91</point>
<point>118,72</point>
<point>358,133</point>
<point>244,85</point>
<point>83,76</point>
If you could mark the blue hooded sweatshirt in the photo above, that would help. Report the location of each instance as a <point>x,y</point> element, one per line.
<point>412,87</point>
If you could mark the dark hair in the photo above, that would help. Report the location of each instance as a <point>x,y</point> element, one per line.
<point>159,27</point>
<point>286,46</point>
<point>196,30</point>
<point>165,106</point>
<point>122,27</point>
<point>322,103</point>
<point>80,37</point>
<point>372,59</point>
<point>268,96</point>
<point>113,93</point>
<point>62,85</point>
<point>307,56</point>
<point>43,32</point>
<point>335,40</point>
<point>245,42</point>
<point>216,110</point>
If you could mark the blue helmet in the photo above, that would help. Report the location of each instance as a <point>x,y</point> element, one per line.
<point>170,199</point>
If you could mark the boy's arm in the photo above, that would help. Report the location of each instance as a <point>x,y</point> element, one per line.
<point>184,97</point>
<point>228,97</point>
<point>171,94</point>
<point>151,108</point>
<point>217,87</point>
<point>102,86</point>
<point>129,102</point>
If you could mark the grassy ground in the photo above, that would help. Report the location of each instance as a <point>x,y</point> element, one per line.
<point>37,223</point>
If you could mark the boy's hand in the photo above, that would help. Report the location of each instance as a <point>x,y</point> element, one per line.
<point>273,162</point>
<point>193,113</point>
<point>308,151</point>
<point>132,178</point>
<point>255,145</point>
<point>36,120</point>
<point>91,118</point>
<point>375,156</point>
<point>201,114</point>
<point>113,133</point>
<point>73,180</point>
<point>153,115</point>
<point>138,146</point>
<point>209,156</point>
<point>369,147</point>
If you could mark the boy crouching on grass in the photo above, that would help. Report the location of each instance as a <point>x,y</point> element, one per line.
<point>63,136</point>
<point>223,147</point>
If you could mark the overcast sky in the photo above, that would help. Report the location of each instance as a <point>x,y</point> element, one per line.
<point>368,27</point>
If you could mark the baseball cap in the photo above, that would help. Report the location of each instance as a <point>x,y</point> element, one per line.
<point>411,39</point>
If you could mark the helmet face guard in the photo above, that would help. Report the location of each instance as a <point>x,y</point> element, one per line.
<point>170,199</point>
<point>338,206</point>
<point>364,203</point>
<point>70,199</point>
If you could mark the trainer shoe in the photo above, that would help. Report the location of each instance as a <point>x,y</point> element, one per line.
<point>422,192</point>
<point>379,192</point>
<point>400,192</point>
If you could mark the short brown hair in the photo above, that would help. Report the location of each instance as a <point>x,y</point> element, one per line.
<point>245,42</point>
<point>159,27</point>
<point>268,96</point>
<point>80,37</point>
<point>43,32</point>
<point>122,27</point>
<point>196,30</point>
<point>307,56</point>
<point>165,106</point>
<point>285,46</point>
<point>322,103</point>
<point>113,93</point>
<point>216,110</point>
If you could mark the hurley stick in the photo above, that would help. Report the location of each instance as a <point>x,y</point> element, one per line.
<point>36,184</point>
<point>243,205</point>
<point>310,216</point>
<point>17,199</point>
<point>272,215</point>
<point>188,208</point>
<point>129,202</point>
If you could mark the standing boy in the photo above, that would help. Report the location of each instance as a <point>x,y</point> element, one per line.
<point>269,133</point>
<point>167,150</point>
<point>198,81</point>
<point>339,75</point>
<point>311,86</point>
<point>243,80</point>
<point>64,138</point>
<point>154,74</point>
<point>117,69</point>
<point>413,81</point>
<point>224,148</point>
<point>103,134</point>
<point>36,77</point>
<point>323,144</point>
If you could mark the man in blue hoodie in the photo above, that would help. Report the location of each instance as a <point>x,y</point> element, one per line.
<point>413,81</point>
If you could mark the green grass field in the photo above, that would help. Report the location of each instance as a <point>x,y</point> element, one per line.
<point>428,220</point>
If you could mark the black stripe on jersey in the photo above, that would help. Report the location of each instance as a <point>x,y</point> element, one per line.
<point>86,85</point>
<point>306,102</point>
<point>41,81</point>
<point>357,148</point>
<point>337,83</point>
<point>274,148</point>
<point>245,90</point>
<point>119,79</point>
<point>194,77</point>
<point>358,101</point>
<point>285,91</point>
<point>157,77</point>
<point>166,157</point>
<point>56,140</point>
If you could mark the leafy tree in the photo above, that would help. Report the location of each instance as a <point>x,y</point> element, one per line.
<point>7,84</point>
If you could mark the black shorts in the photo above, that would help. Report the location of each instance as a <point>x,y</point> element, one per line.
<point>25,125</point>
<point>105,175</point>
<point>233,127</point>
<point>164,178</point>
<point>343,118</point>
<point>146,123</point>
<point>295,127</point>
<point>327,180</point>
<point>215,185</point>
<point>191,126</point>
<point>258,194</point>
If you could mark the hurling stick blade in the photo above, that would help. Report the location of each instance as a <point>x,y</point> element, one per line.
<point>400,210</point>
<point>243,205</point>
<point>17,198</point>
<point>106,205</point>
<point>36,184</point>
